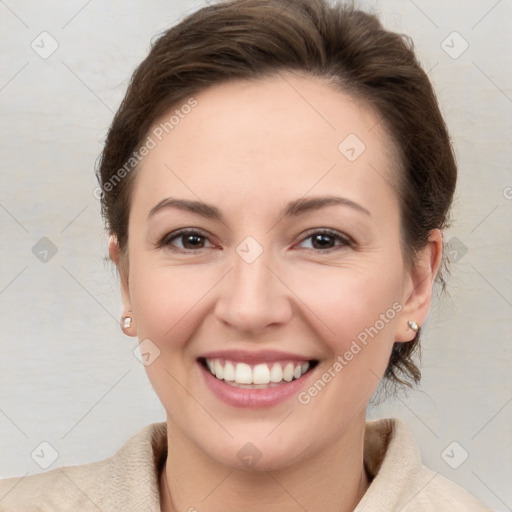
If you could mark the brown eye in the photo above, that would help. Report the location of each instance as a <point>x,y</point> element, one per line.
<point>186,240</point>
<point>325,240</point>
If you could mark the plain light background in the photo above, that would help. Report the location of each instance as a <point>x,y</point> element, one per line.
<point>68,375</point>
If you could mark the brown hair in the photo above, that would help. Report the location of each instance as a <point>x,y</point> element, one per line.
<point>250,39</point>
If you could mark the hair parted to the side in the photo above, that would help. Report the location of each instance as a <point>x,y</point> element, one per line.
<point>252,39</point>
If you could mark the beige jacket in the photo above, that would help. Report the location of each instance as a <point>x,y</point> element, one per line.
<point>128,481</point>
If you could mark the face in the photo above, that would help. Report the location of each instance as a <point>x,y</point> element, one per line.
<point>292,272</point>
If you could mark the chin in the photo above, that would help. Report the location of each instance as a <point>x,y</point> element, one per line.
<point>256,453</point>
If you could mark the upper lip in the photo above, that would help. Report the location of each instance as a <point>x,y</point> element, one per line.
<point>260,356</point>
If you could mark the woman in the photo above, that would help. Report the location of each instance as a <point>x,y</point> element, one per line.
<point>275,184</point>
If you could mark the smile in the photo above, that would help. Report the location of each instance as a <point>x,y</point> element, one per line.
<point>262,375</point>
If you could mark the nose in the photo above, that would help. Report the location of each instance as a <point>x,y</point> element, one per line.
<point>253,297</point>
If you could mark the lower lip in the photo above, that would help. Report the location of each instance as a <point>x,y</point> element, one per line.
<point>252,398</point>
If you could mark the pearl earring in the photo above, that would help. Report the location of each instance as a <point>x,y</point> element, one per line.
<point>127,322</point>
<point>413,325</point>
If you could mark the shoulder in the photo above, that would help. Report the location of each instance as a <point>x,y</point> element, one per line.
<point>54,490</point>
<point>438,493</point>
<point>128,478</point>
<point>401,482</point>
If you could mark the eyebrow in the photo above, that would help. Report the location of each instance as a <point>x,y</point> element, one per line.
<point>292,209</point>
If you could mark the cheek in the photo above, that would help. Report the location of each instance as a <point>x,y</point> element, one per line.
<point>169,306</point>
<point>350,301</point>
<point>166,300</point>
<point>355,314</point>
<point>354,311</point>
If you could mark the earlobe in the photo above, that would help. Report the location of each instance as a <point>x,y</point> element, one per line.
<point>127,325</point>
<point>127,320</point>
<point>418,291</point>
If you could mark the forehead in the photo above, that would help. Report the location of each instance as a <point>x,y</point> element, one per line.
<point>280,136</point>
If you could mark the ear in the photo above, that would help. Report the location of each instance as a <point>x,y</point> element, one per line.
<point>417,295</point>
<point>122,267</point>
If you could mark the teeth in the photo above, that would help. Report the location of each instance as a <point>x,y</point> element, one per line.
<point>263,373</point>
<point>276,373</point>
<point>243,374</point>
<point>260,374</point>
<point>229,372</point>
<point>219,370</point>
<point>288,372</point>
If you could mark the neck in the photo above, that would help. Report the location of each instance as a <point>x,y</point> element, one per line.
<point>332,481</point>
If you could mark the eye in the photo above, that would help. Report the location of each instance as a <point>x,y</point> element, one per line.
<point>324,240</point>
<point>190,240</point>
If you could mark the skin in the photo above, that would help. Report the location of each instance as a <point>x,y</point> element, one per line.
<point>248,148</point>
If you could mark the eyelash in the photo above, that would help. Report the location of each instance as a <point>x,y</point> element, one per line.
<point>167,239</point>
